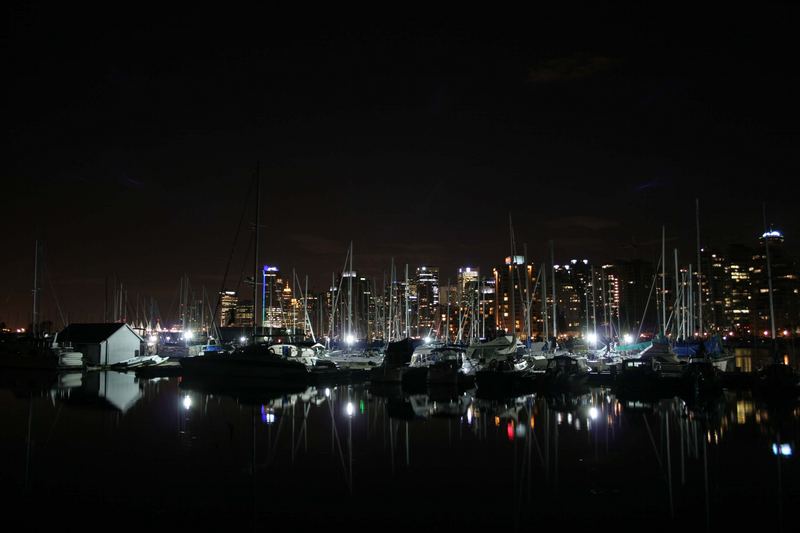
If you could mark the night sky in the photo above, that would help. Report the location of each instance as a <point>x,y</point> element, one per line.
<point>132,137</point>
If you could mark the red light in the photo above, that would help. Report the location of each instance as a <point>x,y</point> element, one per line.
<point>510,430</point>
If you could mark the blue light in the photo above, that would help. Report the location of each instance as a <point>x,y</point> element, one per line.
<point>785,450</point>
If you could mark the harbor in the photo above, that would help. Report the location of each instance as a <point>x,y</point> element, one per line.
<point>487,271</point>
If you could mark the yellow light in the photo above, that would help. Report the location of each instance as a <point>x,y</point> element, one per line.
<point>497,421</point>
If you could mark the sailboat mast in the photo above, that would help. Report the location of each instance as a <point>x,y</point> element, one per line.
<point>293,302</point>
<point>512,289</point>
<point>663,281</point>
<point>255,254</point>
<point>350,295</point>
<point>553,272</point>
<point>333,306</point>
<point>699,269</point>
<point>527,295</point>
<point>408,333</point>
<point>391,301</point>
<point>447,324</point>
<point>690,301</point>
<point>594,302</point>
<point>769,273</point>
<point>677,310</point>
<point>35,323</point>
<point>545,320</point>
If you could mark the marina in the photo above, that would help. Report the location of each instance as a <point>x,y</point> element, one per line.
<point>481,272</point>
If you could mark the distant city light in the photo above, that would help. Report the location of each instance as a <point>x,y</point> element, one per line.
<point>773,233</point>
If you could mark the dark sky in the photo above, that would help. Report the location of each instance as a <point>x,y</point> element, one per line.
<point>132,137</point>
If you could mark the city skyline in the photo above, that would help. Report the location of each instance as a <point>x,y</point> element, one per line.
<point>476,302</point>
<point>133,143</point>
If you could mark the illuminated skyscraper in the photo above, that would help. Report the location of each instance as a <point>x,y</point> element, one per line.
<point>784,287</point>
<point>427,300</point>
<point>511,312</point>
<point>228,301</point>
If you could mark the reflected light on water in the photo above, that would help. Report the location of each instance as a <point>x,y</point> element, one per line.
<point>784,449</point>
<point>744,409</point>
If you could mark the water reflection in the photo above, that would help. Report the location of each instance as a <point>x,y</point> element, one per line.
<point>256,456</point>
<point>112,390</point>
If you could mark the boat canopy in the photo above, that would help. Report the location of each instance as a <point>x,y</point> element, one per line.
<point>712,347</point>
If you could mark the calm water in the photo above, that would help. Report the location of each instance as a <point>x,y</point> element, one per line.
<point>110,451</point>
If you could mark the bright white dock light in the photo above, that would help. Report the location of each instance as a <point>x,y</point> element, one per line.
<point>187,402</point>
<point>628,338</point>
<point>349,339</point>
<point>351,409</point>
<point>592,338</point>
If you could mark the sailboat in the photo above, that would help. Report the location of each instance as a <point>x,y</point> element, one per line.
<point>36,351</point>
<point>354,356</point>
<point>257,360</point>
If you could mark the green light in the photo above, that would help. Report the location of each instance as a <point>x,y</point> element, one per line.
<point>361,406</point>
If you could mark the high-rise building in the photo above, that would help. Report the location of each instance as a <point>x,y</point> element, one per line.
<point>272,299</point>
<point>637,294</point>
<point>610,286</point>
<point>244,314</point>
<point>228,302</point>
<point>511,313</point>
<point>488,298</point>
<point>352,308</point>
<point>427,300</point>
<point>784,287</point>
<point>714,267</point>
<point>737,290</point>
<point>467,301</point>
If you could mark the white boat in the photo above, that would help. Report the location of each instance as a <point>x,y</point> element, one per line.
<point>139,361</point>
<point>355,360</point>
<point>481,354</point>
<point>308,355</point>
